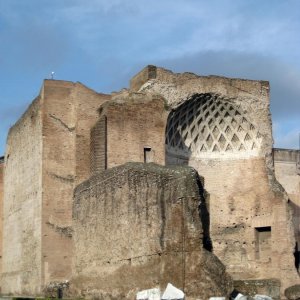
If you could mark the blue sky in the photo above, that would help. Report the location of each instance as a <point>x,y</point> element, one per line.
<point>102,43</point>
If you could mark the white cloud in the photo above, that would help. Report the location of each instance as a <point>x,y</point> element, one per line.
<point>171,28</point>
<point>254,39</point>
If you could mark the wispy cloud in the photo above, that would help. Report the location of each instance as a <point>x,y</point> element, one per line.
<point>102,43</point>
<point>139,28</point>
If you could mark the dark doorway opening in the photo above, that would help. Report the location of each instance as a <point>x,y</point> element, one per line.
<point>297,257</point>
<point>263,243</point>
<point>147,154</point>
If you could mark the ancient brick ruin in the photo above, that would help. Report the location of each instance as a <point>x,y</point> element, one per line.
<point>170,180</point>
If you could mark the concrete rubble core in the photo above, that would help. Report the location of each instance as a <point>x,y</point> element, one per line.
<point>221,127</point>
<point>167,247</point>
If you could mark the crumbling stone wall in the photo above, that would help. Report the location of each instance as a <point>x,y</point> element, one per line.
<point>287,171</point>
<point>219,126</point>
<point>270,287</point>
<point>22,205</point>
<point>131,128</point>
<point>144,230</point>
<point>235,96</point>
<point>222,128</point>
<point>48,153</point>
<point>69,112</point>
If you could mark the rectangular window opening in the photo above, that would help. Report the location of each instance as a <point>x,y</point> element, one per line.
<point>263,243</point>
<point>147,154</point>
<point>263,229</point>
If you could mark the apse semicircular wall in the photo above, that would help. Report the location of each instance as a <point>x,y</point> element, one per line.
<point>211,126</point>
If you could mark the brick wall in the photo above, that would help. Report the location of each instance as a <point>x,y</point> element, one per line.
<point>98,146</point>
<point>88,103</point>
<point>135,124</point>
<point>244,196</point>
<point>69,112</point>
<point>241,202</point>
<point>59,173</point>
<point>241,205</point>
<point>22,205</point>
<point>48,153</point>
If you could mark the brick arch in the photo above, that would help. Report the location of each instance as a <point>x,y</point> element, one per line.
<point>208,125</point>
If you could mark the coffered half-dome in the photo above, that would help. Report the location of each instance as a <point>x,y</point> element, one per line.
<point>209,125</point>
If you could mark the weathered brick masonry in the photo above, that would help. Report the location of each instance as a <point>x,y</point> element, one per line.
<point>47,155</point>
<point>131,127</point>
<point>22,205</point>
<point>222,128</point>
<point>70,134</point>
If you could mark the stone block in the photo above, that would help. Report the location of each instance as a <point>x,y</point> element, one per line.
<point>144,228</point>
